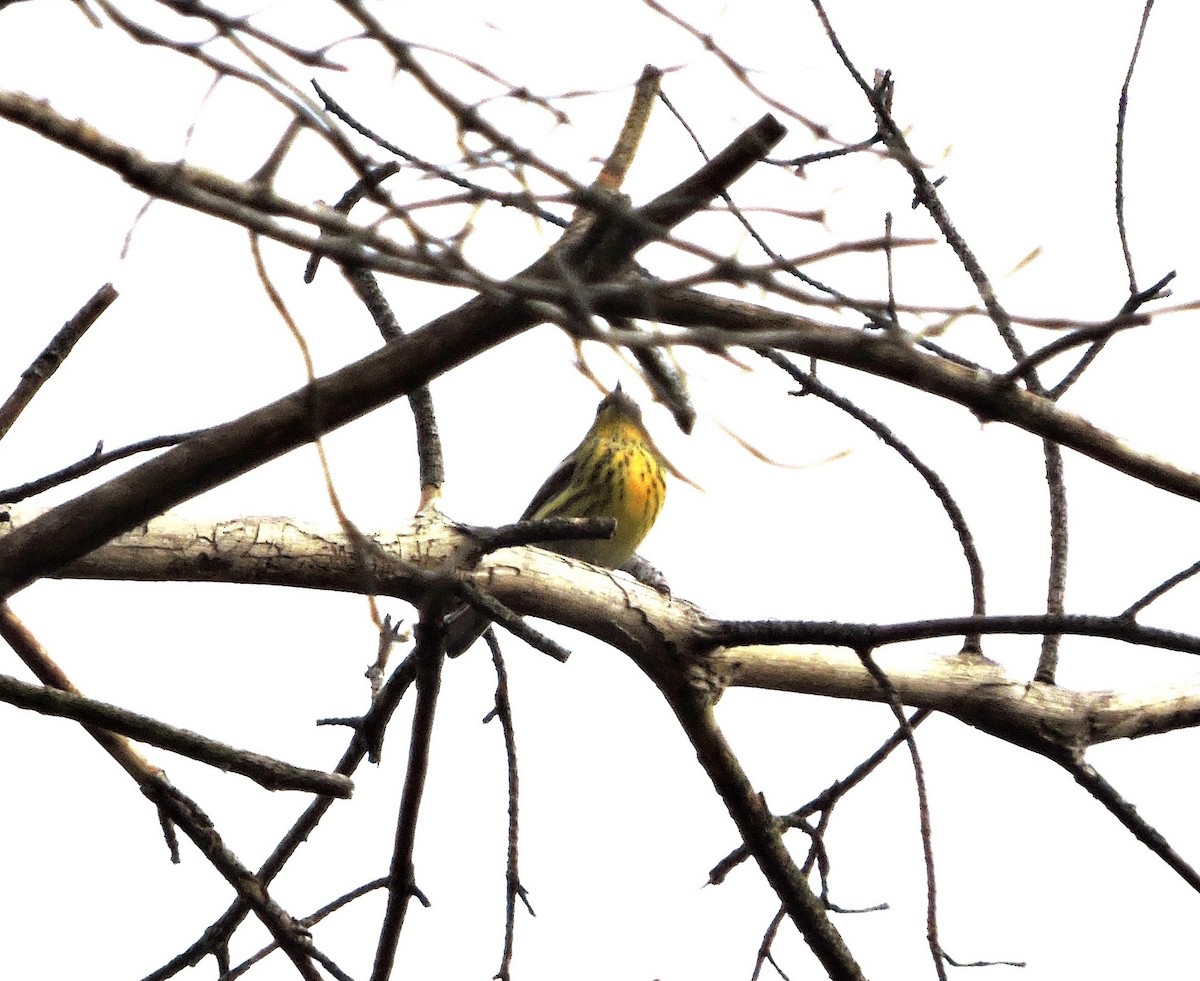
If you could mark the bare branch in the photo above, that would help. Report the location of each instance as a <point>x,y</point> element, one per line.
<point>402,883</point>
<point>174,808</point>
<point>48,362</point>
<point>758,830</point>
<point>225,451</point>
<point>270,773</point>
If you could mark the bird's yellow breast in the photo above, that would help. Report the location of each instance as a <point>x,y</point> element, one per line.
<point>637,488</point>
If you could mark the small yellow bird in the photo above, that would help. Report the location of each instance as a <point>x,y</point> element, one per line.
<point>615,472</point>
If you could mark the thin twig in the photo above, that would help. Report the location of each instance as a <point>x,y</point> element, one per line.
<point>931,921</point>
<point>513,890</point>
<point>496,612</point>
<point>1122,109</point>
<point>1091,781</point>
<point>363,187</point>
<point>779,262</point>
<point>637,117</point>
<point>174,808</point>
<point>925,192</point>
<point>432,468</point>
<point>48,362</point>
<point>825,801</point>
<point>287,933</point>
<point>215,939</point>
<point>1137,297</point>
<point>402,882</point>
<point>764,947</point>
<point>1156,292</point>
<point>307,922</point>
<point>96,460</point>
<point>1138,605</point>
<point>1077,338</point>
<point>871,635</point>
<point>957,519</point>
<point>759,831</point>
<point>270,773</point>
<point>1056,580</point>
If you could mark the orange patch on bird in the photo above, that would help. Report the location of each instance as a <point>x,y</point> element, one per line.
<point>644,484</point>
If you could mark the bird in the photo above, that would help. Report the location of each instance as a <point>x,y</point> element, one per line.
<point>615,472</point>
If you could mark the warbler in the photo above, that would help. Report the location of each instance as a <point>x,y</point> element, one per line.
<point>615,472</point>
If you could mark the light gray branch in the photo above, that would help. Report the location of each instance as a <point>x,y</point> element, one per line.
<point>663,635</point>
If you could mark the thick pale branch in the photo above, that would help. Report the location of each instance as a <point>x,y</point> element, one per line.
<point>668,634</point>
<point>973,689</point>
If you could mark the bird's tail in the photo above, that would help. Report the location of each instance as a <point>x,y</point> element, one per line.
<point>464,626</point>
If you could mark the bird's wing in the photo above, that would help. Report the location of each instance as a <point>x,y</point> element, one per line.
<point>554,485</point>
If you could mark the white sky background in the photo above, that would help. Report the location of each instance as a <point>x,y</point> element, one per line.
<point>1015,104</point>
